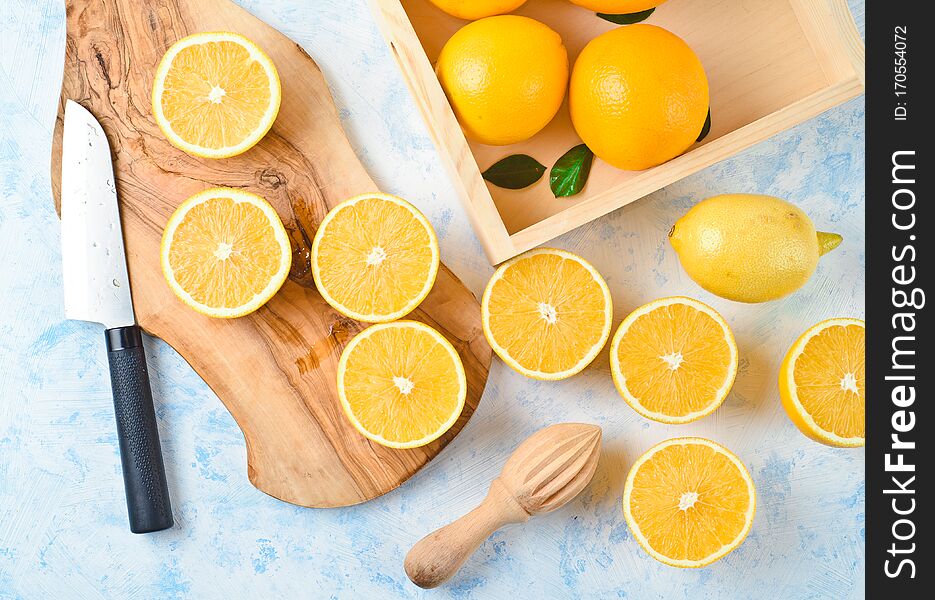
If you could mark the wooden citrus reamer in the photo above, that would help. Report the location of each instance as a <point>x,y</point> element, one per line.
<point>544,473</point>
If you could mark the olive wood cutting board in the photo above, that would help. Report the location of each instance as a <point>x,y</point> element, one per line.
<point>274,369</point>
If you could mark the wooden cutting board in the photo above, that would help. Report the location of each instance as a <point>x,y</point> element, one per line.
<point>275,369</point>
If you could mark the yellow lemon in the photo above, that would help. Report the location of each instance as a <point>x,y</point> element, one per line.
<point>618,7</point>
<point>505,77</point>
<point>822,383</point>
<point>225,252</point>
<point>674,360</point>
<point>215,95</point>
<point>401,384</point>
<point>477,9</point>
<point>749,248</point>
<point>547,313</point>
<point>638,96</point>
<point>374,257</point>
<point>689,501</point>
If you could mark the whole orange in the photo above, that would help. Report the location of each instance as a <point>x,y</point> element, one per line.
<point>505,77</point>
<point>477,9</point>
<point>618,7</point>
<point>638,96</point>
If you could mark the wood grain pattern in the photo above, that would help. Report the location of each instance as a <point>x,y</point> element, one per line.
<point>275,369</point>
<point>544,473</point>
<point>771,64</point>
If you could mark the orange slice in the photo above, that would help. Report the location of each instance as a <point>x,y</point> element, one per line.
<point>689,501</point>
<point>822,383</point>
<point>375,258</point>
<point>215,94</point>
<point>225,252</point>
<point>401,384</point>
<point>547,313</point>
<point>674,360</point>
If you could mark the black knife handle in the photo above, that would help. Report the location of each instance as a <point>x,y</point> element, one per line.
<point>144,474</point>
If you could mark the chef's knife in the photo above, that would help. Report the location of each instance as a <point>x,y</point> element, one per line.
<point>97,289</point>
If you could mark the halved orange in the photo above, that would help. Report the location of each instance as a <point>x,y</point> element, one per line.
<point>689,501</point>
<point>215,94</point>
<point>674,360</point>
<point>374,258</point>
<point>225,252</point>
<point>547,313</point>
<point>401,384</point>
<point>822,383</point>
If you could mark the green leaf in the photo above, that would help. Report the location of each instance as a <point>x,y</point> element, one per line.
<point>570,172</point>
<point>706,129</point>
<point>514,172</point>
<point>629,19</point>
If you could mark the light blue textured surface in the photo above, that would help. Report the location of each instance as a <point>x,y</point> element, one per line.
<point>63,530</point>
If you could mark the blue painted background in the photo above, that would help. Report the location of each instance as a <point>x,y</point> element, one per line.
<point>63,531</point>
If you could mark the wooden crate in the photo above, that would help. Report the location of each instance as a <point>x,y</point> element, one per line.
<point>771,64</point>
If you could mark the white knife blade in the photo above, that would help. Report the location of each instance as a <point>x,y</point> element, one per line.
<point>96,284</point>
